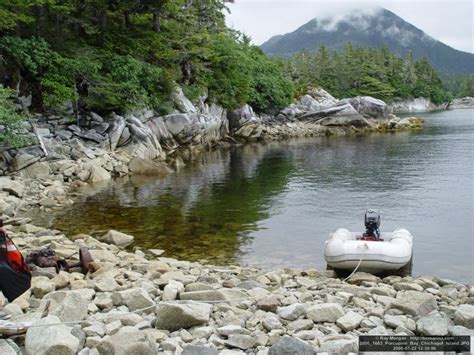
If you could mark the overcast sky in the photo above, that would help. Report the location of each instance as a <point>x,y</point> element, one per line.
<point>450,22</point>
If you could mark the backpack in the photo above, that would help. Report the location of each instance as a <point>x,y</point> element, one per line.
<point>15,276</point>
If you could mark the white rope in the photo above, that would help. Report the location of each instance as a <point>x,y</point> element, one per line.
<point>24,326</point>
<point>353,272</point>
<point>357,267</point>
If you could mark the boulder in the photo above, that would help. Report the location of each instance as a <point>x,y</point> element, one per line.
<point>127,341</point>
<point>213,295</point>
<point>68,306</point>
<point>143,143</point>
<point>324,98</point>
<point>198,350</point>
<point>339,346</point>
<point>134,299</point>
<point>117,238</point>
<point>22,160</point>
<point>415,303</point>
<point>8,347</point>
<point>325,312</point>
<point>291,312</point>
<point>271,322</point>
<point>464,316</point>
<point>343,114</point>
<point>172,290</point>
<point>368,106</point>
<point>174,316</point>
<point>433,324</point>
<point>114,132</point>
<point>241,116</point>
<point>51,339</point>
<point>106,285</point>
<point>177,123</point>
<point>465,102</point>
<point>41,286</point>
<point>181,102</point>
<point>97,173</point>
<point>241,341</point>
<point>12,187</point>
<point>349,321</point>
<point>36,170</point>
<point>268,304</point>
<point>288,345</point>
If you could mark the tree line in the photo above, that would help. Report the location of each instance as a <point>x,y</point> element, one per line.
<point>366,71</point>
<point>119,55</point>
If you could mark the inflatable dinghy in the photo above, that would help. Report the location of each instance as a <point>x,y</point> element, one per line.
<point>349,250</point>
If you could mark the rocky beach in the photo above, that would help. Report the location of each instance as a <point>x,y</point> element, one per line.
<point>141,303</point>
<point>138,302</point>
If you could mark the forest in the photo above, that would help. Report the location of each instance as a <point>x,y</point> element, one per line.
<point>119,55</point>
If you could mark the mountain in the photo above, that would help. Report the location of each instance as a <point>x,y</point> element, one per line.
<point>375,28</point>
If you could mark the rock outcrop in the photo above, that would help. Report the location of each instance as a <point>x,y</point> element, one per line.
<point>463,103</point>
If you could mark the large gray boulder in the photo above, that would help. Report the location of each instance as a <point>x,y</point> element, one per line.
<point>288,345</point>
<point>464,316</point>
<point>134,299</point>
<point>114,132</point>
<point>174,316</point>
<point>213,295</point>
<point>128,341</point>
<point>117,238</point>
<point>434,324</point>
<point>368,106</point>
<point>97,172</point>
<point>240,117</point>
<point>9,347</point>
<point>465,102</point>
<point>181,102</point>
<point>325,312</point>
<point>159,128</point>
<point>68,306</point>
<point>343,114</point>
<point>141,142</point>
<point>36,170</point>
<point>12,187</point>
<point>291,312</point>
<point>23,160</point>
<point>339,346</point>
<point>415,303</point>
<point>177,123</point>
<point>51,339</point>
<point>349,321</point>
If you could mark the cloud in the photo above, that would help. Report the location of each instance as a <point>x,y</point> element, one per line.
<point>450,21</point>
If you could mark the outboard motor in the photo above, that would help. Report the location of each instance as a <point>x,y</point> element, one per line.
<point>372,224</point>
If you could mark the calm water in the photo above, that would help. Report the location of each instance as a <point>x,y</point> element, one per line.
<point>274,205</point>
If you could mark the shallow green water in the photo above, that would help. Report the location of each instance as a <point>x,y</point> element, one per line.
<point>274,205</point>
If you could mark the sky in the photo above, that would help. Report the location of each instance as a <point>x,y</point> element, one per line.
<point>451,22</point>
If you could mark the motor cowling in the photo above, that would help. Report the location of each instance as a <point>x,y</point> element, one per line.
<point>372,223</point>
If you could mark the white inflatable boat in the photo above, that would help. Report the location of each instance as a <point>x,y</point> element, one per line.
<point>346,250</point>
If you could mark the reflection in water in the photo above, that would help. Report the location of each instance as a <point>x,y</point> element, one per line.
<point>206,213</point>
<point>274,204</point>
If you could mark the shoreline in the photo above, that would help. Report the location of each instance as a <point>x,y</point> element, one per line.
<point>142,303</point>
<point>164,305</point>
